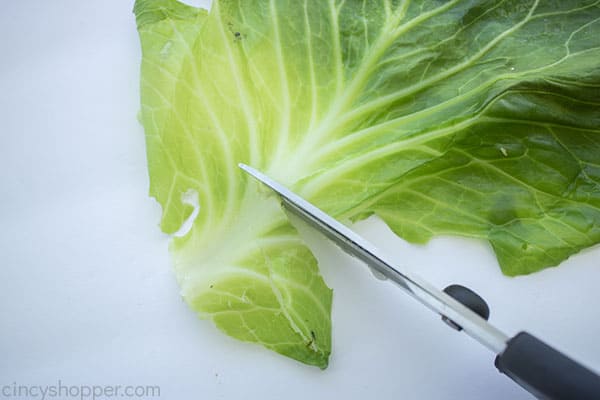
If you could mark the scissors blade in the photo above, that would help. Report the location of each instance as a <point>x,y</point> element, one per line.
<point>355,245</point>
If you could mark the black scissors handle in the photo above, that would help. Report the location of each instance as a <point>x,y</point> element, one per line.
<point>546,372</point>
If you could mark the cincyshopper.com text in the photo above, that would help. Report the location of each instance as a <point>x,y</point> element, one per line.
<point>60,390</point>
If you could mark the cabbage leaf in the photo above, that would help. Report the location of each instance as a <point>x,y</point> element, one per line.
<point>464,117</point>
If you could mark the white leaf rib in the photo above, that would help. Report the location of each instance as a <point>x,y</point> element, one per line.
<point>223,138</point>
<point>335,40</point>
<point>330,123</point>
<point>242,90</point>
<point>281,150</point>
<point>312,74</point>
<point>383,101</point>
<point>285,309</point>
<point>361,160</point>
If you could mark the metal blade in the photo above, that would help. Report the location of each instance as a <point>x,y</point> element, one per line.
<point>355,245</point>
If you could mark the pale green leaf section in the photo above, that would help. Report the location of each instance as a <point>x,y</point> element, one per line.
<point>242,265</point>
<point>463,117</point>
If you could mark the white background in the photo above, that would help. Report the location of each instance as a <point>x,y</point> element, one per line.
<point>87,294</point>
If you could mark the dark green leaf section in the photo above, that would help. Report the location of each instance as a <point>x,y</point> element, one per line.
<point>526,177</point>
<point>471,121</point>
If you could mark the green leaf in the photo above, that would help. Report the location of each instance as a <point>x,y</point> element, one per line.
<point>471,118</point>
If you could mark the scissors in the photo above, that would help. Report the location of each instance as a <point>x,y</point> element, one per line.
<point>534,365</point>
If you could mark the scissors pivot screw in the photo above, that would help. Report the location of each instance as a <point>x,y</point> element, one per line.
<point>469,299</point>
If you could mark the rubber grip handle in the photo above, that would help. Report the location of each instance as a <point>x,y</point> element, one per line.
<point>545,372</point>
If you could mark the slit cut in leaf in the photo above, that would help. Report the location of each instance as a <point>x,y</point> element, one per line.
<point>461,117</point>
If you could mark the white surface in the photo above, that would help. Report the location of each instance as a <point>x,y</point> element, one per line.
<point>86,290</point>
